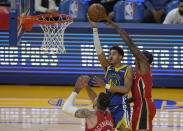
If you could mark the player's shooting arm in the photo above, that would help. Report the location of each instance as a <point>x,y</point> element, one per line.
<point>99,51</point>
<point>98,48</point>
<point>135,51</point>
<point>128,82</point>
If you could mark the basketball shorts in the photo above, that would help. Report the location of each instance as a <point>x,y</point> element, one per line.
<point>143,115</point>
<point>121,116</point>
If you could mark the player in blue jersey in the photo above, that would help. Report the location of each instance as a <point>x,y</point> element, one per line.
<point>118,82</point>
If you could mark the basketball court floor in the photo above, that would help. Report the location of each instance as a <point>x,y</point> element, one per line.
<point>39,108</point>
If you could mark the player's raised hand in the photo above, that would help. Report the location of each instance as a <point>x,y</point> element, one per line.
<point>82,82</point>
<point>85,79</point>
<point>94,24</point>
<point>98,82</point>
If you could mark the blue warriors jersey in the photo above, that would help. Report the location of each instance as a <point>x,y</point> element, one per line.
<point>115,77</point>
<point>119,106</point>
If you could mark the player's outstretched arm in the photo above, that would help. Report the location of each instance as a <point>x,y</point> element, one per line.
<point>98,48</point>
<point>128,41</point>
<point>70,109</point>
<point>68,105</point>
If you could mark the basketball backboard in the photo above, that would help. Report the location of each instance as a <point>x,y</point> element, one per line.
<point>15,23</point>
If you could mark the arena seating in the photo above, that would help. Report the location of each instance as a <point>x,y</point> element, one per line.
<point>76,8</point>
<point>128,11</point>
<point>171,5</point>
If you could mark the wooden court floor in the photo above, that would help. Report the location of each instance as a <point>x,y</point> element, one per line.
<point>39,108</point>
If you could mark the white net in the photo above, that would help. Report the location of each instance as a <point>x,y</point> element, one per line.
<point>53,41</point>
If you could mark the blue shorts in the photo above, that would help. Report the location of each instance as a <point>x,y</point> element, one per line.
<point>121,116</point>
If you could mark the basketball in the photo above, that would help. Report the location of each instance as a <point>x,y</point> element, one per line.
<point>96,12</point>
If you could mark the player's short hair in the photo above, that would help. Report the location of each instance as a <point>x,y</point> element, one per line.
<point>180,1</point>
<point>103,101</point>
<point>149,56</point>
<point>119,49</point>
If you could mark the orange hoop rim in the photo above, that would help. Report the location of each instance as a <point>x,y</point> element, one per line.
<point>43,22</point>
<point>36,19</point>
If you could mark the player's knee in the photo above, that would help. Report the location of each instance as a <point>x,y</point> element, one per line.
<point>122,128</point>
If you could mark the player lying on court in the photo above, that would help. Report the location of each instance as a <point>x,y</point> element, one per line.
<point>144,109</point>
<point>118,82</point>
<point>97,120</point>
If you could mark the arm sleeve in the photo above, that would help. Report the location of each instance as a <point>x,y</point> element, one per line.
<point>97,41</point>
<point>99,51</point>
<point>68,105</point>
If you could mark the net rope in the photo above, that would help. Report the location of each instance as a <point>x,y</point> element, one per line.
<point>53,41</point>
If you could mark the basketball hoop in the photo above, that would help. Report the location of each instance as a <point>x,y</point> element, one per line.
<point>53,26</point>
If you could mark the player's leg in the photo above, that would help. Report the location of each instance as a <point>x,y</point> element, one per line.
<point>125,124</point>
<point>122,128</point>
<point>152,113</point>
<point>139,120</point>
<point>134,124</point>
<point>122,119</point>
<point>135,116</point>
<point>140,117</point>
<point>150,125</point>
<point>143,122</point>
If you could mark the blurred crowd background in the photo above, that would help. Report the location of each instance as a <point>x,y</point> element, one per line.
<point>141,11</point>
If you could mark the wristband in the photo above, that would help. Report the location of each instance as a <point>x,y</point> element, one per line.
<point>108,86</point>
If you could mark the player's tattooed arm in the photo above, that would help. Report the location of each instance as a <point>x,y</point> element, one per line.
<point>68,106</point>
<point>83,113</point>
<point>135,51</point>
